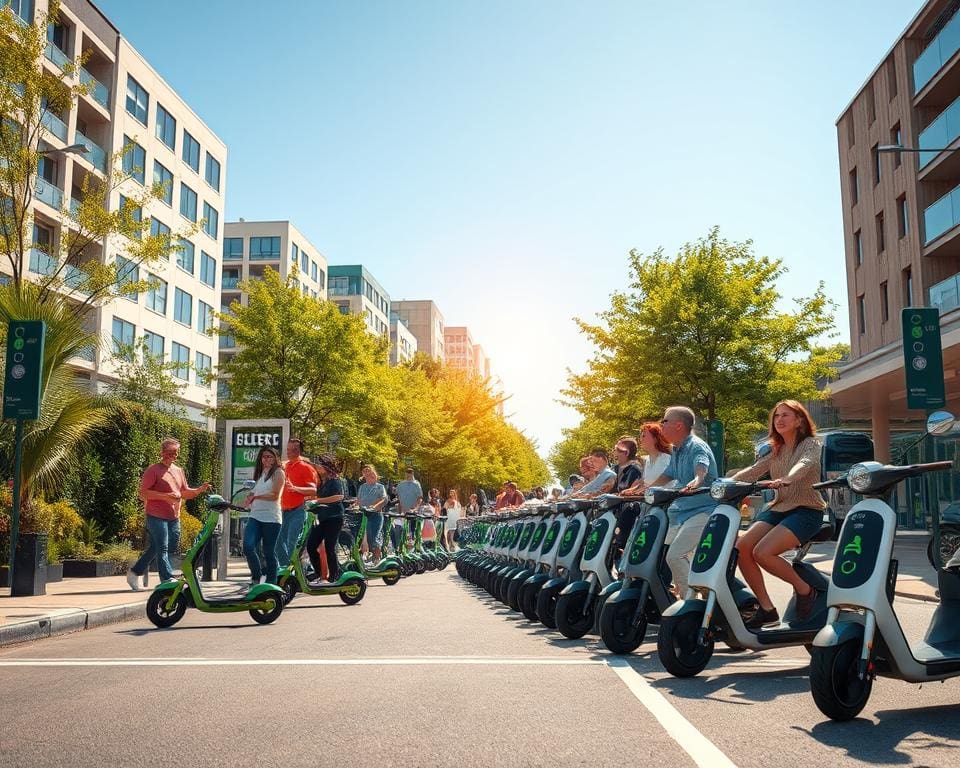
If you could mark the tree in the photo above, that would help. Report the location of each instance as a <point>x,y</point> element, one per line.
<point>146,379</point>
<point>704,329</point>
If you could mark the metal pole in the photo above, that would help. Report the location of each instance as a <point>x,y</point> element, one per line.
<point>15,511</point>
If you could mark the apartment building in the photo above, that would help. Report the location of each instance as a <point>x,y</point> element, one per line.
<point>249,247</point>
<point>356,292</point>
<point>403,344</point>
<point>130,104</point>
<point>481,363</point>
<point>425,321</point>
<point>458,347</point>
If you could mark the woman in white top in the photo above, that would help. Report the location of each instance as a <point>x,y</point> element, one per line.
<point>263,524</point>
<point>452,509</point>
<point>658,450</point>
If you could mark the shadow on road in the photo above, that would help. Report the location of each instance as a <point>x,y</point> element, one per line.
<point>738,687</point>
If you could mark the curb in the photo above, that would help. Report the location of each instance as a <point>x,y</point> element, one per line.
<point>67,623</point>
<point>915,596</point>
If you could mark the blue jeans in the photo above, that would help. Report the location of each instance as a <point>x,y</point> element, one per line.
<point>164,538</point>
<point>290,528</point>
<point>253,534</point>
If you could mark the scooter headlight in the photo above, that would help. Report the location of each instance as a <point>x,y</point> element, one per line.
<point>859,478</point>
<point>718,490</point>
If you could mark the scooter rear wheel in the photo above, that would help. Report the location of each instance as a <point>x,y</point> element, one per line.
<point>358,588</point>
<point>290,589</point>
<point>159,614</point>
<point>679,647</point>
<point>835,683</point>
<point>268,615</point>
<point>547,606</point>
<point>617,629</point>
<point>575,614</point>
<point>528,602</point>
<point>391,580</point>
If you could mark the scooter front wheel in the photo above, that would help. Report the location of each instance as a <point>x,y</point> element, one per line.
<point>575,614</point>
<point>617,629</point>
<point>354,590</point>
<point>835,682</point>
<point>160,614</point>
<point>392,579</point>
<point>679,647</point>
<point>270,614</point>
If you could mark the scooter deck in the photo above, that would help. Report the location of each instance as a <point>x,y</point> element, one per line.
<point>939,659</point>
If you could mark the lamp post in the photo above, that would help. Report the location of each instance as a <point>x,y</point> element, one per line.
<point>887,148</point>
<point>71,149</point>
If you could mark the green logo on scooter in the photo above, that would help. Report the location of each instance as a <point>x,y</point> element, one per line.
<point>551,537</point>
<point>855,546</point>
<point>707,542</point>
<point>847,567</point>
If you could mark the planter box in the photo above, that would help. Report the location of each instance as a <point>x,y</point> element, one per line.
<point>84,569</point>
<point>54,572</point>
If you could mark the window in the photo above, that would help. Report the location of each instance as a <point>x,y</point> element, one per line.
<point>906,284</point>
<point>204,317</point>
<point>294,252</point>
<point>162,175</point>
<point>185,255</point>
<point>188,203</point>
<point>138,100</point>
<point>881,240</point>
<point>157,295</point>
<point>304,263</point>
<point>858,247</point>
<point>166,128</point>
<point>191,151</point>
<point>211,220</point>
<point>903,219</point>
<point>181,355</point>
<point>340,286</point>
<point>875,153</point>
<point>854,187</point>
<point>58,35</point>
<point>127,272</point>
<point>861,316</point>
<point>892,76</point>
<point>851,132</point>
<point>321,281</point>
<point>884,303</point>
<point>201,369</point>
<point>231,278</point>
<point>871,105</point>
<point>232,248</point>
<point>159,229</point>
<point>208,269</point>
<point>128,206</point>
<point>134,160</point>
<point>154,344</point>
<point>264,248</point>
<point>22,8</point>
<point>211,172</point>
<point>182,307</point>
<point>123,337</point>
<point>313,271</point>
<point>897,140</point>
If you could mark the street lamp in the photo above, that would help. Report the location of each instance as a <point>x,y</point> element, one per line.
<point>72,149</point>
<point>898,148</point>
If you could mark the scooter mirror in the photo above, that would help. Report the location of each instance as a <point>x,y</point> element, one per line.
<point>940,422</point>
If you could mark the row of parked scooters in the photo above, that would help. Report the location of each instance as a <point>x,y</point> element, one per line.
<point>555,564</point>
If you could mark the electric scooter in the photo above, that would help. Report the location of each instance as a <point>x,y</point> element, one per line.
<point>387,568</point>
<point>546,568</point>
<point>292,578</point>
<point>718,606</point>
<point>170,599</point>
<point>517,557</point>
<point>863,639</point>
<point>567,562</point>
<point>531,556</point>
<point>408,563</point>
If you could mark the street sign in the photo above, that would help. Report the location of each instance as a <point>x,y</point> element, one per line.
<point>714,430</point>
<point>923,358</point>
<point>24,365</point>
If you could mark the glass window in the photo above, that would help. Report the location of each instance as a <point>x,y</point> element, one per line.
<point>181,354</point>
<point>322,280</point>
<point>138,100</point>
<point>208,269</point>
<point>134,160</point>
<point>162,175</point>
<point>204,316</point>
<point>201,369</point>
<point>185,255</point>
<point>127,272</point>
<point>304,263</point>
<point>157,295</point>
<point>858,247</point>
<point>136,212</point>
<point>232,248</point>
<point>903,216</point>
<point>211,172</point>
<point>191,151</point>
<point>294,252</point>
<point>211,220</point>
<point>182,307</point>
<point>123,336</point>
<point>166,127</point>
<point>159,229</point>
<point>264,247</point>
<point>154,344</point>
<point>313,271</point>
<point>861,315</point>
<point>188,202</point>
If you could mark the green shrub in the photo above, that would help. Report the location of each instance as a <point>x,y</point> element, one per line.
<point>74,549</point>
<point>121,555</point>
<point>189,528</point>
<point>58,519</point>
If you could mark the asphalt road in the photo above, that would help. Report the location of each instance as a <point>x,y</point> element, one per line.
<point>433,672</point>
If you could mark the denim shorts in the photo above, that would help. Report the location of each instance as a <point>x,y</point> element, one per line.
<point>374,526</point>
<point>802,522</point>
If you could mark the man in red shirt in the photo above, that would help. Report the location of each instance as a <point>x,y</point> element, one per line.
<point>511,498</point>
<point>300,484</point>
<point>162,487</point>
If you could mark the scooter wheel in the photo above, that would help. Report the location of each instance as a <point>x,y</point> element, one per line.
<point>421,566</point>
<point>679,647</point>
<point>268,615</point>
<point>158,612</point>
<point>617,629</point>
<point>290,589</point>
<point>575,614</point>
<point>391,580</point>
<point>547,606</point>
<point>354,590</point>
<point>528,602</point>
<point>835,682</point>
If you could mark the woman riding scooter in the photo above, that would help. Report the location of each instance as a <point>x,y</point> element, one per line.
<point>797,515</point>
<point>329,512</point>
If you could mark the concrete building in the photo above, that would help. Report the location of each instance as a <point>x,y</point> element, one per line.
<point>131,105</point>
<point>403,344</point>
<point>357,292</point>
<point>901,216</point>
<point>481,363</point>
<point>425,322</point>
<point>458,348</point>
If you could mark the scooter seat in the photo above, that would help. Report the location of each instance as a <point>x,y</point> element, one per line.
<point>828,531</point>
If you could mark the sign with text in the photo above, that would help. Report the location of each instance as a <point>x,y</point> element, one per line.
<point>24,365</point>
<point>923,358</point>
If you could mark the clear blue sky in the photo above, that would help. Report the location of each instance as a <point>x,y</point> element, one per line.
<point>501,157</point>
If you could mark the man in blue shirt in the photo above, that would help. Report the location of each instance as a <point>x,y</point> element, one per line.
<point>692,466</point>
<point>603,481</point>
<point>410,496</point>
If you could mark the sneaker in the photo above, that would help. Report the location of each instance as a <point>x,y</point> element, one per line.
<point>263,580</point>
<point>805,604</point>
<point>133,580</point>
<point>763,617</point>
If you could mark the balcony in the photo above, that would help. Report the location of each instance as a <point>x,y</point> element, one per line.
<point>95,154</point>
<point>86,353</point>
<point>264,257</point>
<point>48,193</point>
<point>55,125</point>
<point>945,295</point>
<point>99,92</point>
<point>230,282</point>
<point>942,216</point>
<point>57,56</point>
<point>227,342</point>
<point>42,263</point>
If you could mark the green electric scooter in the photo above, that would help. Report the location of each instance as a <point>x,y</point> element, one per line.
<point>351,586</point>
<point>401,553</point>
<point>387,568</point>
<point>170,599</point>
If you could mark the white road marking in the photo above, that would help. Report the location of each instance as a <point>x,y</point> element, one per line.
<point>701,750</point>
<point>371,662</point>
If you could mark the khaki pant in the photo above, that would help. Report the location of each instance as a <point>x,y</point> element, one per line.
<point>683,540</point>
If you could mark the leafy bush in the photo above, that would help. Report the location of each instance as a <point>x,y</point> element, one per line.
<point>74,549</point>
<point>135,531</point>
<point>121,555</point>
<point>189,528</point>
<point>58,519</point>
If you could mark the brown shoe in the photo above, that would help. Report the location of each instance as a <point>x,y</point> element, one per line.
<point>805,604</point>
<point>763,617</point>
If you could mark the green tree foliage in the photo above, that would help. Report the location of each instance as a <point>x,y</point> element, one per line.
<point>146,379</point>
<point>707,329</point>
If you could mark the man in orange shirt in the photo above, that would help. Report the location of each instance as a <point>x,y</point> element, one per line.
<point>300,483</point>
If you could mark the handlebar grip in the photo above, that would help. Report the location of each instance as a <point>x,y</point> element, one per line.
<point>934,465</point>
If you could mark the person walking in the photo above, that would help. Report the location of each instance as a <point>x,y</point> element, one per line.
<point>300,483</point>
<point>373,496</point>
<point>453,509</point>
<point>162,488</point>
<point>329,511</point>
<point>264,522</point>
<point>410,497</point>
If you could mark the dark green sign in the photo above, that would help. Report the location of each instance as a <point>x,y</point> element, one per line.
<point>21,381</point>
<point>923,358</point>
<point>714,430</point>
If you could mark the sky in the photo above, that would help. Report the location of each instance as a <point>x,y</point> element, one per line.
<point>502,157</point>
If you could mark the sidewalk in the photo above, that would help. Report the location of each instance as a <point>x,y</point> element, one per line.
<point>72,605</point>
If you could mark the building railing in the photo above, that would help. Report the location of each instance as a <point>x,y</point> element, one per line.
<point>264,257</point>
<point>86,353</point>
<point>230,282</point>
<point>55,55</point>
<point>49,193</point>
<point>95,153</point>
<point>100,92</point>
<point>938,53</point>
<point>55,125</point>
<point>942,132</point>
<point>42,263</point>
<point>946,294</point>
<point>943,215</point>
<point>227,342</point>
